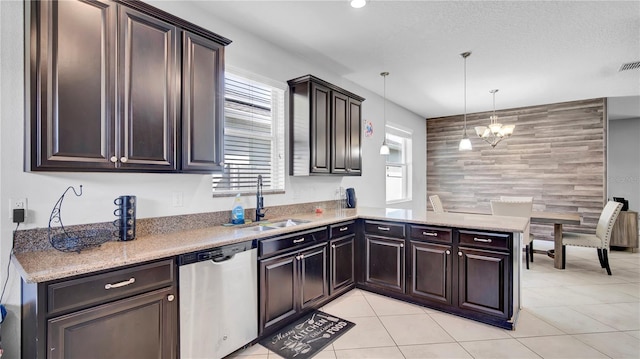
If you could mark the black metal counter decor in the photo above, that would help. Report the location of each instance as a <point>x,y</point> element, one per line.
<point>308,336</point>
<point>73,241</point>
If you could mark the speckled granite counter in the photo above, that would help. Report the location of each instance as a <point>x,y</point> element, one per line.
<point>46,265</point>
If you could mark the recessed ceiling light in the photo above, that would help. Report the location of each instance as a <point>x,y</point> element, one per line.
<point>358,3</point>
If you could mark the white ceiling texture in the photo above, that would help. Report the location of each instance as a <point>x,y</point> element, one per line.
<point>534,52</point>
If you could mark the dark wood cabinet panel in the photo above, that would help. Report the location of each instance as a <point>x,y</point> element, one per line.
<point>148,51</point>
<point>72,84</point>
<point>354,150</point>
<point>292,282</point>
<point>138,327</point>
<point>278,289</point>
<point>202,104</point>
<point>342,262</point>
<point>129,312</point>
<point>105,89</point>
<point>484,281</point>
<point>314,285</point>
<point>320,129</point>
<point>431,272</point>
<point>385,263</point>
<point>324,128</point>
<point>340,132</point>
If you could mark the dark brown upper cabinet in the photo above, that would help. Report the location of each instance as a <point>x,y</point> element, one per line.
<point>325,129</point>
<point>121,85</point>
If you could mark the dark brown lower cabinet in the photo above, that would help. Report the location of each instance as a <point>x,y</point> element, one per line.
<point>291,283</point>
<point>136,327</point>
<point>384,263</point>
<point>431,272</point>
<point>130,312</point>
<point>483,281</point>
<point>342,263</point>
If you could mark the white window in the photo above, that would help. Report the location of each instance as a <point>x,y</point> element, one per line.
<point>253,137</point>
<point>398,168</point>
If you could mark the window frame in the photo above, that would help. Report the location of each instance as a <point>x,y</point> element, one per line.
<point>405,164</point>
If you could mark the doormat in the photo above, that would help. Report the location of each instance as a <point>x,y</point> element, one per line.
<point>307,336</point>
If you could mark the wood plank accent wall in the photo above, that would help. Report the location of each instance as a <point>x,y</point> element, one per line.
<point>557,155</point>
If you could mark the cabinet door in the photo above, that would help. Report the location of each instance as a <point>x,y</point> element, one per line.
<point>314,284</point>
<point>278,288</point>
<point>384,261</point>
<point>342,263</point>
<point>431,271</point>
<point>148,92</point>
<point>143,326</point>
<point>72,84</point>
<point>483,282</point>
<point>355,132</point>
<point>202,104</point>
<point>340,133</point>
<point>320,129</point>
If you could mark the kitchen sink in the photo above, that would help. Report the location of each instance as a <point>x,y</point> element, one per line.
<point>288,223</point>
<point>260,228</point>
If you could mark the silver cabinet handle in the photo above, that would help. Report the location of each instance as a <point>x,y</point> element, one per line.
<point>123,159</point>
<point>171,297</point>
<point>333,246</point>
<point>460,254</point>
<point>300,257</point>
<point>484,240</point>
<point>114,159</point>
<point>343,229</point>
<point>448,252</point>
<point>121,284</point>
<point>430,234</point>
<point>401,245</point>
<point>384,228</point>
<point>298,240</point>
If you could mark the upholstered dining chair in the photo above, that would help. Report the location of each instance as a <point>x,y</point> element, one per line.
<point>436,204</point>
<point>599,240</point>
<point>517,209</point>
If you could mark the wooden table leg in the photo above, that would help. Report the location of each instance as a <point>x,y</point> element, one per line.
<point>557,246</point>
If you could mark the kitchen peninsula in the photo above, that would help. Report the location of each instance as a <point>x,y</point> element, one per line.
<point>464,264</point>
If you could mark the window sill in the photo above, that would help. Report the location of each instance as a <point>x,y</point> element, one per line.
<point>246,193</point>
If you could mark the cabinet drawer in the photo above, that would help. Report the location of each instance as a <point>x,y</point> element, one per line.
<point>342,229</point>
<point>96,289</point>
<point>384,229</point>
<point>490,240</point>
<point>270,246</point>
<point>433,234</point>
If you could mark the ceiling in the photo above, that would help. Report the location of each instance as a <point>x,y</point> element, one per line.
<point>534,52</point>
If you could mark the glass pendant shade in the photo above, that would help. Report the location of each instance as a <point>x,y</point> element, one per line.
<point>356,4</point>
<point>384,149</point>
<point>465,144</point>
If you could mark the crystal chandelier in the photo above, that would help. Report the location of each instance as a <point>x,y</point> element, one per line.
<point>496,132</point>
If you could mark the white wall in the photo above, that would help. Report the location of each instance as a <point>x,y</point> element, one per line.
<point>154,190</point>
<point>623,166</point>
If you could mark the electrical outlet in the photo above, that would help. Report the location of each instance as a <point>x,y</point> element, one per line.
<point>176,199</point>
<point>18,203</point>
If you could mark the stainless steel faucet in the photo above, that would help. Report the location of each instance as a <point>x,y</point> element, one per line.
<point>259,200</point>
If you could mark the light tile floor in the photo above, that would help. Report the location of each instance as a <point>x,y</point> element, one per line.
<point>579,312</point>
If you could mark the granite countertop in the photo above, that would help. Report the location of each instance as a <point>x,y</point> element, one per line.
<point>41,266</point>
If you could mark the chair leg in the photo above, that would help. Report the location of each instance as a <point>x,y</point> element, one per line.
<point>605,258</point>
<point>600,257</point>
<point>526,255</point>
<point>531,251</point>
<point>564,256</point>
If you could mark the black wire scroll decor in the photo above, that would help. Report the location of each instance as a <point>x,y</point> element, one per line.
<point>73,241</point>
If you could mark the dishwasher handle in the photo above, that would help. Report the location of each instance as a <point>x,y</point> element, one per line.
<point>222,258</point>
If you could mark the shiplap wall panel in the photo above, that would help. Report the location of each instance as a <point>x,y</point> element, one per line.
<point>556,155</point>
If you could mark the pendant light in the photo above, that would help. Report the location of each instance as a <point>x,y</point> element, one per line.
<point>357,4</point>
<point>384,149</point>
<point>465,142</point>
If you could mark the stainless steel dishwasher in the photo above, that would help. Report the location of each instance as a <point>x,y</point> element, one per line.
<point>218,300</point>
